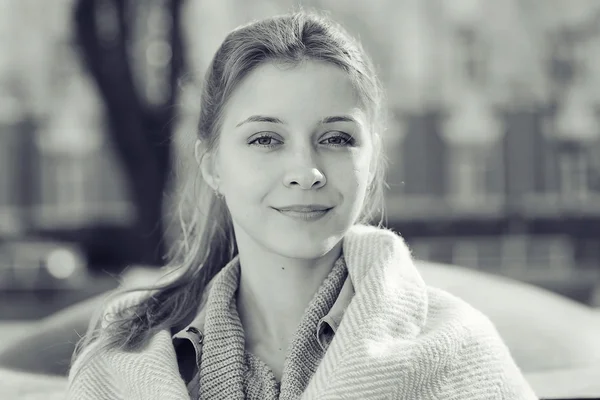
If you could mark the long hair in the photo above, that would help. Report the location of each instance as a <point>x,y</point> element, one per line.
<point>207,241</point>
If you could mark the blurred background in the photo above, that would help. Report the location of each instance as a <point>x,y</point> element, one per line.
<point>493,139</point>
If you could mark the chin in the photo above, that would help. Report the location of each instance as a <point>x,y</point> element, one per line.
<point>303,245</point>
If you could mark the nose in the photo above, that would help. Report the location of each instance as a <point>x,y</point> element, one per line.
<point>305,174</point>
<point>310,178</point>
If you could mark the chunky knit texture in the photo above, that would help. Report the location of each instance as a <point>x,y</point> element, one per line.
<point>259,381</point>
<point>228,371</point>
<point>398,339</point>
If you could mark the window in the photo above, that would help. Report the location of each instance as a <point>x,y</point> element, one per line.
<point>468,178</point>
<point>466,253</point>
<point>10,221</point>
<point>574,174</point>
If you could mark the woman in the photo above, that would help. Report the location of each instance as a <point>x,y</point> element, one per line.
<point>281,291</point>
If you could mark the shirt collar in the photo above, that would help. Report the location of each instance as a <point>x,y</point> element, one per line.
<point>335,315</point>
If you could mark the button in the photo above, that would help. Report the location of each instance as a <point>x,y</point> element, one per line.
<point>197,333</point>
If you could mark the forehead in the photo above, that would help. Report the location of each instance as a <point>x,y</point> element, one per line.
<point>309,91</point>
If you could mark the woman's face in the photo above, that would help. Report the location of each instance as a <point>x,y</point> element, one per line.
<point>294,158</point>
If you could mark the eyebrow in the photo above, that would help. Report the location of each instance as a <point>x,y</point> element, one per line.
<point>273,120</point>
<point>260,118</point>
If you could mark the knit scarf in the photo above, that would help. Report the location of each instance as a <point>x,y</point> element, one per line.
<point>224,365</point>
<point>398,339</point>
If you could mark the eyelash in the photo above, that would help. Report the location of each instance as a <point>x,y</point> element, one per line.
<point>347,140</point>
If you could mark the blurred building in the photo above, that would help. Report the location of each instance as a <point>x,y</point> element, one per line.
<point>494,139</point>
<point>501,171</point>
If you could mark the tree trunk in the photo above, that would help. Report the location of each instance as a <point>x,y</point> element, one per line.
<point>141,132</point>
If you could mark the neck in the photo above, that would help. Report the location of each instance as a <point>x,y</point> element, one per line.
<point>274,292</point>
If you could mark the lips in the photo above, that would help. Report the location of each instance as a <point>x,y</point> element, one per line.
<point>305,212</point>
<point>304,208</point>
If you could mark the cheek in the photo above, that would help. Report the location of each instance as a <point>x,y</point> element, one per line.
<point>351,175</point>
<point>242,175</point>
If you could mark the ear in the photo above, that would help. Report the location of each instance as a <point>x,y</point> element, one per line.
<point>208,167</point>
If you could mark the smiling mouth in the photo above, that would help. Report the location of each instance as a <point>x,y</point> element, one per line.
<point>304,213</point>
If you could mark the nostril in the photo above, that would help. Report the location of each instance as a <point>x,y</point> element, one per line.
<point>305,179</point>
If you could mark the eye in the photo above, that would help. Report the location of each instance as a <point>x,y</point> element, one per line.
<point>338,139</point>
<point>264,140</point>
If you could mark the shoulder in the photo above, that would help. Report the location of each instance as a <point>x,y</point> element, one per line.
<point>138,285</point>
<point>445,309</point>
<point>470,328</point>
<point>474,352</point>
<point>119,304</point>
